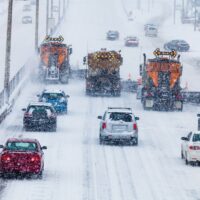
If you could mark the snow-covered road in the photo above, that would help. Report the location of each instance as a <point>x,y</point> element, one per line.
<point>76,166</point>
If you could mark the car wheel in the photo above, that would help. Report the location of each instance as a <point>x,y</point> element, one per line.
<point>40,175</point>
<point>101,140</point>
<point>182,156</point>
<point>186,160</point>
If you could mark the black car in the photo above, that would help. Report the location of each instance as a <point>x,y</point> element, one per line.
<point>40,116</point>
<point>177,45</point>
<point>112,35</point>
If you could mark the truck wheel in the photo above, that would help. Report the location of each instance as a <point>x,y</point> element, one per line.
<point>64,79</point>
<point>182,156</point>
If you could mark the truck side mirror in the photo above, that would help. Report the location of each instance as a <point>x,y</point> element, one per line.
<point>1,146</point>
<point>70,51</point>
<point>99,117</point>
<point>84,60</point>
<point>137,118</point>
<point>121,60</point>
<point>44,147</point>
<point>24,109</point>
<point>140,70</point>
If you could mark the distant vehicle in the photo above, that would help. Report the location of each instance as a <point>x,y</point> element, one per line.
<point>40,116</point>
<point>149,25</point>
<point>118,125</point>
<point>57,98</point>
<point>112,35</point>
<point>131,41</point>
<point>26,19</point>
<point>151,31</point>
<point>177,45</point>
<point>27,8</point>
<point>190,148</point>
<point>22,157</point>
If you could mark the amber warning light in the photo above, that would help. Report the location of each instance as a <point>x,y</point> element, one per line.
<point>48,38</point>
<point>172,53</point>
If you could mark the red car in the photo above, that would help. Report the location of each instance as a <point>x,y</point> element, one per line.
<point>131,41</point>
<point>22,157</point>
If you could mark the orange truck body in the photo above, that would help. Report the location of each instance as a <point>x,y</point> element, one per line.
<point>49,49</point>
<point>154,67</point>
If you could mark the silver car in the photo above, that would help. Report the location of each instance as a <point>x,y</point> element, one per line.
<point>118,125</point>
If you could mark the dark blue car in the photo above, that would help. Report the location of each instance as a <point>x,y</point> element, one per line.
<point>177,45</point>
<point>58,99</point>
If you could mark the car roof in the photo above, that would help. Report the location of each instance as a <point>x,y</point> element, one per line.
<point>22,140</point>
<point>40,104</point>
<point>196,132</point>
<point>119,109</point>
<point>132,37</point>
<point>53,91</point>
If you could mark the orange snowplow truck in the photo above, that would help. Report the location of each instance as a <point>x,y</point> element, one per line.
<point>161,82</point>
<point>54,61</point>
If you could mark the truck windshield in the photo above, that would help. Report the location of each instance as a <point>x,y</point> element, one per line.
<point>21,146</point>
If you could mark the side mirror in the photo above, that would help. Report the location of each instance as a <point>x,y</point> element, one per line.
<point>67,96</point>
<point>38,95</point>
<point>140,70</point>
<point>70,51</point>
<point>198,115</point>
<point>44,147</point>
<point>1,146</point>
<point>24,109</point>
<point>137,118</point>
<point>84,60</point>
<point>38,50</point>
<point>99,117</point>
<point>184,138</point>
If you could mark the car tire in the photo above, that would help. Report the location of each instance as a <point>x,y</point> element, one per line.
<point>186,160</point>
<point>182,156</point>
<point>40,175</point>
<point>101,140</point>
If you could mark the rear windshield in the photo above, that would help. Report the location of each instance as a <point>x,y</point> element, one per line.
<point>40,109</point>
<point>53,96</point>
<point>196,138</point>
<point>116,116</point>
<point>21,146</point>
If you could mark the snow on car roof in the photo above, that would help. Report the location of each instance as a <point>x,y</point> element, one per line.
<point>40,104</point>
<point>22,140</point>
<point>124,110</point>
<point>53,91</point>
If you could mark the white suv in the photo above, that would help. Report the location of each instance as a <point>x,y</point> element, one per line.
<point>190,148</point>
<point>118,125</point>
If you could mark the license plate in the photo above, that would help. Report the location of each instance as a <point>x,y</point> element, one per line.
<point>119,127</point>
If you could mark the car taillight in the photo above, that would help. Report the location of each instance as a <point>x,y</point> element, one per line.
<point>103,125</point>
<point>194,147</point>
<point>27,114</point>
<point>6,158</point>
<point>35,158</point>
<point>134,126</point>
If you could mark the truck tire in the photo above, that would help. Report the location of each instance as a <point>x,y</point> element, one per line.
<point>64,78</point>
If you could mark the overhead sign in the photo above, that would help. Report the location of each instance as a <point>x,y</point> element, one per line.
<point>172,53</point>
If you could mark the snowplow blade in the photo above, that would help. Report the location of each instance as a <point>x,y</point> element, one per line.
<point>129,86</point>
<point>191,97</point>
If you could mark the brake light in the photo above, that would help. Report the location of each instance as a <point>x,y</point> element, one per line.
<point>35,158</point>
<point>5,158</point>
<point>27,114</point>
<point>194,147</point>
<point>134,126</point>
<point>104,125</point>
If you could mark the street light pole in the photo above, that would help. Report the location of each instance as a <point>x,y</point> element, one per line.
<point>174,11</point>
<point>64,7</point>
<point>47,17</point>
<point>51,16</point>
<point>36,24</point>
<point>195,15</point>
<point>59,10</point>
<point>8,49</point>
